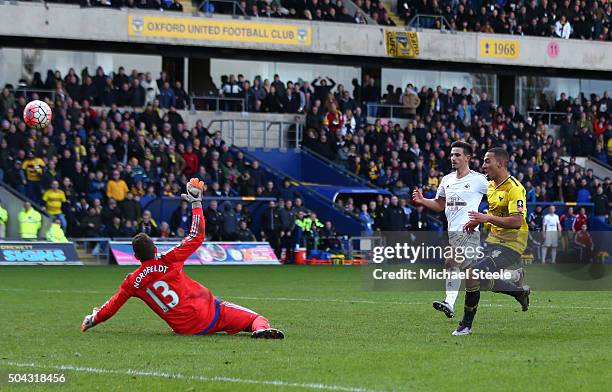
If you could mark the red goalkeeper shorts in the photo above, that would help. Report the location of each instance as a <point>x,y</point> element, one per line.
<point>233,318</point>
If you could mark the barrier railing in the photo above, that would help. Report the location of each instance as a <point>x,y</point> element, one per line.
<point>548,118</point>
<point>217,103</point>
<point>208,7</point>
<point>341,169</point>
<point>256,133</point>
<point>29,92</point>
<point>426,21</point>
<point>387,111</point>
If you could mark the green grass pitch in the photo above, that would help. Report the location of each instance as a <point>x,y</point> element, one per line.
<point>338,336</point>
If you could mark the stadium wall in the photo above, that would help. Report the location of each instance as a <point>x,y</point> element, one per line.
<point>74,23</point>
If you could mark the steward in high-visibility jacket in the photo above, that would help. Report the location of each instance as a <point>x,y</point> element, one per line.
<point>30,221</point>
<point>3,221</point>
<point>55,233</point>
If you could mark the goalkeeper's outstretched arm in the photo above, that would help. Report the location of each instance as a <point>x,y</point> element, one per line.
<point>108,310</point>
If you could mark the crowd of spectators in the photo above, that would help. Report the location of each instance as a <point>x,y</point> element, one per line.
<point>138,90</point>
<point>401,157</point>
<point>589,20</point>
<point>161,5</point>
<point>109,161</point>
<point>311,10</point>
<point>95,171</point>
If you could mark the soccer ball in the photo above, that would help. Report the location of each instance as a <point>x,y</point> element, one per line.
<point>37,114</point>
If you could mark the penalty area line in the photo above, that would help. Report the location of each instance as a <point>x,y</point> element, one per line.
<point>179,376</point>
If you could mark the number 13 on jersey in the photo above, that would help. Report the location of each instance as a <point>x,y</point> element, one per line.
<point>165,294</point>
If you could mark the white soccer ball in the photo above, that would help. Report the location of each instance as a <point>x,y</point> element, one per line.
<point>37,114</point>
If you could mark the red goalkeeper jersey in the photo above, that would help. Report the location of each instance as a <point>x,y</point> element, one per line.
<point>186,305</point>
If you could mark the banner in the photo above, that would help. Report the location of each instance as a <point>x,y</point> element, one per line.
<point>210,253</point>
<point>402,43</point>
<point>499,48</point>
<point>219,30</point>
<point>34,253</point>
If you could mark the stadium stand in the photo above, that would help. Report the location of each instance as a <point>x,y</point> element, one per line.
<point>118,157</point>
<point>547,18</point>
<point>313,10</point>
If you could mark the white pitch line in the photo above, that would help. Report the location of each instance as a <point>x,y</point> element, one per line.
<point>383,302</point>
<point>179,376</point>
<point>489,303</point>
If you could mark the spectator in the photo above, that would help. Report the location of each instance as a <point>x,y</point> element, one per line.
<point>167,98</point>
<point>115,229</point>
<point>151,89</point>
<point>109,212</point>
<point>410,100</point>
<point>214,220</point>
<point>322,88</point>
<point>116,188</point>
<point>290,103</point>
<point>563,29</point>
<point>229,228</point>
<point>182,98</point>
<point>601,203</point>
<point>288,191</point>
<point>244,233</point>
<point>54,199</point>
<point>418,219</point>
<point>90,224</point>
<point>148,225</point>
<point>271,227</point>
<point>33,167</point>
<point>175,6</point>
<point>366,219</point>
<point>395,218</point>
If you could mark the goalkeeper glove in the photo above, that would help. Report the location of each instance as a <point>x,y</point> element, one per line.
<point>195,189</point>
<point>89,320</point>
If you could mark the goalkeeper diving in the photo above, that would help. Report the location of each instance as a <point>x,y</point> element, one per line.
<point>184,304</point>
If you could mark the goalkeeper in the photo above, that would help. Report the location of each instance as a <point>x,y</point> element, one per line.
<point>184,304</point>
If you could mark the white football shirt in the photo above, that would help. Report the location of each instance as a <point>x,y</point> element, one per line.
<point>462,195</point>
<point>550,222</point>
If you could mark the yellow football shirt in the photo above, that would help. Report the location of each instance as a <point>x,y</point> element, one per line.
<point>33,168</point>
<point>506,199</point>
<point>54,200</point>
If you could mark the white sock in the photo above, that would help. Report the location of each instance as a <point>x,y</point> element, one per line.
<point>452,288</point>
<point>544,249</point>
<point>553,255</point>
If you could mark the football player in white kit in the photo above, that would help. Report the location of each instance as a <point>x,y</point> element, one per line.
<point>459,192</point>
<point>551,226</point>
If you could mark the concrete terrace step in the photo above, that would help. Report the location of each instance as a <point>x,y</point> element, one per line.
<point>188,6</point>
<point>392,15</point>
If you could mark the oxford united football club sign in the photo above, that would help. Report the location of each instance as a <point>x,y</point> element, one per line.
<point>219,30</point>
